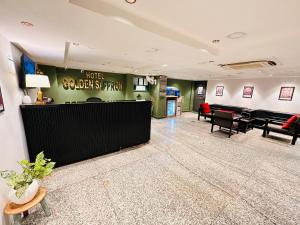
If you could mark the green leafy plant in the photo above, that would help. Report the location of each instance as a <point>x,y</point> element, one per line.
<point>39,169</point>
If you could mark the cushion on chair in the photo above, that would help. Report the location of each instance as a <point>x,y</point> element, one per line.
<point>289,122</point>
<point>205,107</point>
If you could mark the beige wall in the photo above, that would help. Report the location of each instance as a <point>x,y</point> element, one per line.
<point>12,139</point>
<point>265,96</point>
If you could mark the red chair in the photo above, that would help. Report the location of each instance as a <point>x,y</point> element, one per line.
<point>204,110</point>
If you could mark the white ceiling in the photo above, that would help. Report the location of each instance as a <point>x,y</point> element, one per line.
<point>143,38</point>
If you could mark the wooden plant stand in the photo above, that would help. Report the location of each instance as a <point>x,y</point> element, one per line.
<point>17,210</point>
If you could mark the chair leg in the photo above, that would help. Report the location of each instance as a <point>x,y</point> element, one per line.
<point>268,131</point>
<point>230,132</point>
<point>212,128</point>
<point>219,127</point>
<point>294,139</point>
<point>265,133</point>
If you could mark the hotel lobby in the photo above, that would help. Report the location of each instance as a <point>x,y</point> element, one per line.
<point>149,112</point>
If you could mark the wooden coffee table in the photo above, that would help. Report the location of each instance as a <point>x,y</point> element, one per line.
<point>17,210</point>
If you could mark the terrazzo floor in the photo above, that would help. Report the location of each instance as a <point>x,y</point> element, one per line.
<point>185,175</point>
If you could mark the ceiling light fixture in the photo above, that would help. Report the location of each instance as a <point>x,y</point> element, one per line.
<point>204,50</point>
<point>130,1</point>
<point>164,65</point>
<point>27,24</point>
<point>216,41</point>
<point>236,35</point>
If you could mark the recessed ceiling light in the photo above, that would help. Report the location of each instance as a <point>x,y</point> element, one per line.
<point>164,65</point>
<point>236,35</point>
<point>130,1</point>
<point>204,50</point>
<point>152,50</point>
<point>216,41</point>
<point>271,75</point>
<point>27,24</point>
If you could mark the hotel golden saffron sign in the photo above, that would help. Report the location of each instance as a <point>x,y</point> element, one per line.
<point>92,81</point>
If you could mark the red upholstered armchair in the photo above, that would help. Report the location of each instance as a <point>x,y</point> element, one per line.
<point>204,110</point>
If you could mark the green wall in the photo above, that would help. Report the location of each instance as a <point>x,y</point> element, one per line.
<point>61,95</point>
<point>159,109</point>
<point>186,88</point>
<point>56,76</point>
<point>130,94</point>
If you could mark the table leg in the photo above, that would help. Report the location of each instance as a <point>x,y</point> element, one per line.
<point>17,219</point>
<point>45,207</point>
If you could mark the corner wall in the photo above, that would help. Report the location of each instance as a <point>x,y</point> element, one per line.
<point>13,146</point>
<point>265,95</point>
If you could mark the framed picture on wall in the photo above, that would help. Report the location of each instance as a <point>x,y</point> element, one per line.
<point>219,90</point>
<point>200,91</point>
<point>248,91</point>
<point>286,93</point>
<point>1,102</point>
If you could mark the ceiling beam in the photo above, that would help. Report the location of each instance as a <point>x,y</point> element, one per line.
<point>106,9</point>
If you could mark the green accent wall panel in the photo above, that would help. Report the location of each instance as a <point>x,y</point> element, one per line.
<point>61,94</point>
<point>186,88</point>
<point>62,80</point>
<point>158,102</point>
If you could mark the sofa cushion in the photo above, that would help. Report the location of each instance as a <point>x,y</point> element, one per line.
<point>289,122</point>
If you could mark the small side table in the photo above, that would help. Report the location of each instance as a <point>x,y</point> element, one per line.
<point>17,210</point>
<point>245,125</point>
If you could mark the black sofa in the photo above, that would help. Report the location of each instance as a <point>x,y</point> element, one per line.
<point>235,109</point>
<point>260,117</point>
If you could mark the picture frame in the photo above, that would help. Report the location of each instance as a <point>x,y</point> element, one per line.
<point>200,91</point>
<point>1,102</point>
<point>219,90</point>
<point>248,91</point>
<point>286,93</point>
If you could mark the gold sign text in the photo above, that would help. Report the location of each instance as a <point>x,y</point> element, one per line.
<point>92,81</point>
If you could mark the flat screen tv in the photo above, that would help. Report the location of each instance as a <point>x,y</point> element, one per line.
<point>27,67</point>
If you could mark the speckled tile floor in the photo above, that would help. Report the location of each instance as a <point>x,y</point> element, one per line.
<point>185,175</point>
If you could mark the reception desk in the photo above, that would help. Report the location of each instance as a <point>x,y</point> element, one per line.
<point>70,133</point>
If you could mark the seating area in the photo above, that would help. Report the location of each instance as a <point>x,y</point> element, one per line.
<point>243,119</point>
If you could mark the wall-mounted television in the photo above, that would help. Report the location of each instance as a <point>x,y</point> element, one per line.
<point>27,67</point>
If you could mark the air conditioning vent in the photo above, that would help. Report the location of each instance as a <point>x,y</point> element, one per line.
<point>248,65</point>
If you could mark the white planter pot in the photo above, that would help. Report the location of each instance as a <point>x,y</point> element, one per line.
<point>27,196</point>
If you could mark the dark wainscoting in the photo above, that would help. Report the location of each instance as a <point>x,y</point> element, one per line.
<point>69,133</point>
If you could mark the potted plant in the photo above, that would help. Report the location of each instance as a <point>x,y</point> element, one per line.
<point>25,185</point>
